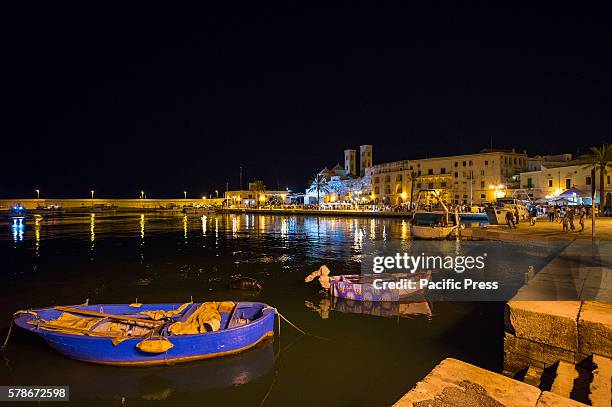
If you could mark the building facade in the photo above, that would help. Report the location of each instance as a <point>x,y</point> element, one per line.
<point>549,182</point>
<point>460,179</point>
<point>253,197</point>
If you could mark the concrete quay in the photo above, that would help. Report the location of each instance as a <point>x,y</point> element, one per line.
<point>317,212</point>
<point>454,383</point>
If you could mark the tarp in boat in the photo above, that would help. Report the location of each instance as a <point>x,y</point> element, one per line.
<point>205,318</point>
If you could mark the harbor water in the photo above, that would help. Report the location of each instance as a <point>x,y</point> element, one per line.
<point>368,357</point>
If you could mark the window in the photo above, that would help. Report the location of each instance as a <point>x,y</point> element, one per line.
<point>529,183</point>
<point>471,162</point>
<point>443,184</point>
<point>483,196</point>
<point>608,180</point>
<point>398,189</point>
<point>419,185</point>
<point>481,172</point>
<point>456,175</point>
<point>388,191</point>
<point>419,173</point>
<point>568,183</point>
<point>464,163</point>
<point>482,184</point>
<point>430,185</point>
<point>398,177</point>
<point>465,196</point>
<point>443,171</point>
<point>456,164</point>
<point>388,178</point>
<point>588,180</point>
<point>550,182</point>
<point>486,162</point>
<point>430,171</point>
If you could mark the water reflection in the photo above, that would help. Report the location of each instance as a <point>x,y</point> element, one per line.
<point>37,221</point>
<point>185,224</point>
<point>142,226</point>
<point>17,228</point>
<point>204,219</point>
<point>376,308</point>
<point>92,228</point>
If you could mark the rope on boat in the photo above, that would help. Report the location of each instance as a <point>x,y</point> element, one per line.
<point>281,316</point>
<point>8,335</point>
<point>10,330</point>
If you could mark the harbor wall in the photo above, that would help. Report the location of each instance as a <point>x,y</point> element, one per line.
<point>84,203</point>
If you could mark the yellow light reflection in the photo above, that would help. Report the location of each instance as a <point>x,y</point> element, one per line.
<point>92,226</point>
<point>204,219</point>
<point>404,230</point>
<point>185,227</point>
<point>142,225</point>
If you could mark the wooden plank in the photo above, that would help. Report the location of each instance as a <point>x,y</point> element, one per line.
<point>110,316</point>
<point>75,330</point>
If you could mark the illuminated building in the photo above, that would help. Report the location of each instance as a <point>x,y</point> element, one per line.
<point>253,197</point>
<point>462,179</point>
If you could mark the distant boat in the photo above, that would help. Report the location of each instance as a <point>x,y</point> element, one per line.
<point>432,224</point>
<point>150,334</point>
<point>496,214</point>
<point>199,210</point>
<point>17,211</point>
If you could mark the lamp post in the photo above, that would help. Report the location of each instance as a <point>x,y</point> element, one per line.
<point>37,193</point>
<point>185,193</point>
<point>217,192</point>
<point>141,194</point>
<point>92,201</point>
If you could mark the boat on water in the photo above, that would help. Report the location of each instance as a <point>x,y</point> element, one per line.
<point>17,211</point>
<point>434,223</point>
<point>371,287</point>
<point>150,334</point>
<point>199,210</point>
<point>496,213</point>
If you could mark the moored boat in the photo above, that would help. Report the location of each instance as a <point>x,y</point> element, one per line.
<point>496,213</point>
<point>432,224</point>
<point>150,334</point>
<point>372,287</point>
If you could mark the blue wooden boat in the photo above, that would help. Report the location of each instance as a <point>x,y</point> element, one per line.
<point>117,333</point>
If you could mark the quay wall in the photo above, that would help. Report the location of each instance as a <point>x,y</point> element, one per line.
<point>74,204</point>
<point>315,212</point>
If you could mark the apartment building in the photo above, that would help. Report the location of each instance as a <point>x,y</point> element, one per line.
<point>460,179</point>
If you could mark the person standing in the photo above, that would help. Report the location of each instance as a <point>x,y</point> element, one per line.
<point>565,221</point>
<point>551,213</point>
<point>516,214</point>
<point>581,218</point>
<point>572,215</point>
<point>510,220</point>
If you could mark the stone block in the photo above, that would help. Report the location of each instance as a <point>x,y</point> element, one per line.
<point>456,383</point>
<point>599,389</point>
<point>552,323</point>
<point>549,399</point>
<point>595,328</point>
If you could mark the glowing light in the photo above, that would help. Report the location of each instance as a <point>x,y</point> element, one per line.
<point>404,195</point>
<point>185,227</point>
<point>203,225</point>
<point>262,198</point>
<point>558,191</point>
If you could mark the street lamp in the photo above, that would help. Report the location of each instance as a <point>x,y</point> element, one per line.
<point>92,193</point>
<point>217,192</point>
<point>141,194</point>
<point>37,193</point>
<point>185,193</point>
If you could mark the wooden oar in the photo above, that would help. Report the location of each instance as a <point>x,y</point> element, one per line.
<point>111,316</point>
<point>75,330</point>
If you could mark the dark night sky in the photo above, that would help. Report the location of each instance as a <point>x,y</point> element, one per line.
<point>126,97</point>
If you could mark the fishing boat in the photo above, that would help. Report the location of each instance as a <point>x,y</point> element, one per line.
<point>434,223</point>
<point>150,334</point>
<point>369,287</point>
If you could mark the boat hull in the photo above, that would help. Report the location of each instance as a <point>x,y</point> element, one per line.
<point>351,287</point>
<point>431,232</point>
<point>186,348</point>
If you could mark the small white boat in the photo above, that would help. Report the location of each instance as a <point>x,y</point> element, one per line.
<point>496,214</point>
<point>432,225</point>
